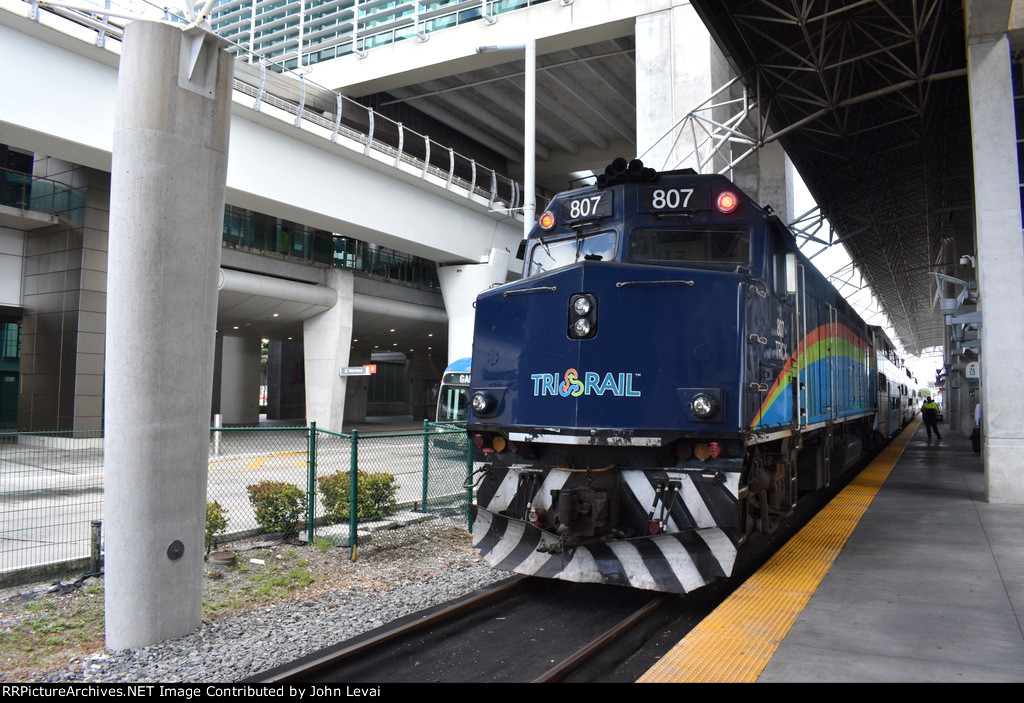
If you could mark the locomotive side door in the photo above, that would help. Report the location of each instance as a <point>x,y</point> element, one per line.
<point>794,289</point>
<point>778,360</point>
<point>824,380</point>
<point>757,334</point>
<point>771,336</point>
<point>833,361</point>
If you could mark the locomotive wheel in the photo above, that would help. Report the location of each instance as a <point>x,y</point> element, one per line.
<point>759,482</point>
<point>772,485</point>
<point>766,524</point>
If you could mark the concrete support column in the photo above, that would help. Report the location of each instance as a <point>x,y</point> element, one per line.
<point>678,67</point>
<point>286,393</point>
<point>1000,249</point>
<point>961,401</point>
<point>240,381</point>
<point>168,175</point>
<point>460,285</point>
<point>768,176</point>
<point>357,394</point>
<point>327,342</point>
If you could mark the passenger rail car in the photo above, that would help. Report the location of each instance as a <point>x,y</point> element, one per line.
<point>898,396</point>
<point>453,393</point>
<point>452,407</point>
<point>666,379</point>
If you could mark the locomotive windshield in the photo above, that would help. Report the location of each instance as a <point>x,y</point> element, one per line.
<point>551,255</point>
<point>714,245</point>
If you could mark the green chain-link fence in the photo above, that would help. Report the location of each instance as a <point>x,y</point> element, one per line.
<point>292,481</point>
<point>51,500</point>
<point>241,457</point>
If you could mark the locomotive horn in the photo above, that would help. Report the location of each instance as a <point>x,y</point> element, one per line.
<point>622,171</point>
<point>617,167</point>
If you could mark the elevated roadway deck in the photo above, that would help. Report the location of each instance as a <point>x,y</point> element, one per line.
<point>65,108</point>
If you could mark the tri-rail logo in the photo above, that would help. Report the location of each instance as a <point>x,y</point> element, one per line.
<point>591,383</point>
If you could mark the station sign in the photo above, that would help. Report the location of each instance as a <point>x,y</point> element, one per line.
<point>367,370</point>
<point>973,370</point>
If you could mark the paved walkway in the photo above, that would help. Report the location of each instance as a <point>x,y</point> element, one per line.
<point>929,588</point>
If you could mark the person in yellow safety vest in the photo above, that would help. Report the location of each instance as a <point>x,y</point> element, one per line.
<point>930,412</point>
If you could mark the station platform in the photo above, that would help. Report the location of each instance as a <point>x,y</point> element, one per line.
<point>908,575</point>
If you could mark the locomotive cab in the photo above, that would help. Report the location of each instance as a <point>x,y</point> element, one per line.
<point>637,398</point>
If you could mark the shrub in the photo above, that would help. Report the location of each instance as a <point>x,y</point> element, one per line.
<point>375,498</point>
<point>280,507</point>
<point>216,522</point>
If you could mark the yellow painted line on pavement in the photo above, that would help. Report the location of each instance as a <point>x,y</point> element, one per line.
<point>258,463</point>
<point>736,641</point>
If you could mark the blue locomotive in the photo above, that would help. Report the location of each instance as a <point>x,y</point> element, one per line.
<point>666,379</point>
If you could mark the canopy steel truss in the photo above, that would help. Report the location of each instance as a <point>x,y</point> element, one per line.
<point>869,98</point>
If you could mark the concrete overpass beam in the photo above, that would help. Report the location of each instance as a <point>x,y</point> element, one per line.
<point>1000,254</point>
<point>166,212</point>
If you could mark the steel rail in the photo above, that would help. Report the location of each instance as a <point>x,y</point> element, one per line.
<point>571,663</point>
<point>300,669</point>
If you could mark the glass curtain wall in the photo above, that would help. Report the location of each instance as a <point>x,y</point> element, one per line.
<point>266,234</point>
<point>305,32</point>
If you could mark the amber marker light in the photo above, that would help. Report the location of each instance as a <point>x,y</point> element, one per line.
<point>547,220</point>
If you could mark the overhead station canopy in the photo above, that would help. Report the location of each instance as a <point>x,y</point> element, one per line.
<point>869,98</point>
<point>585,107</point>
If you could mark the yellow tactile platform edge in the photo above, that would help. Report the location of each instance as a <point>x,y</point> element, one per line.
<point>736,641</point>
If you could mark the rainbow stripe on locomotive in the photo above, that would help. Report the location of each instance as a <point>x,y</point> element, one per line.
<point>666,379</point>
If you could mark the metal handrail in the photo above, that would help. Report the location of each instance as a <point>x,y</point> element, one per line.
<point>341,119</point>
<point>18,191</point>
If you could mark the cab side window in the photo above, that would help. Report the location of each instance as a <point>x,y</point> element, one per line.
<point>777,257</point>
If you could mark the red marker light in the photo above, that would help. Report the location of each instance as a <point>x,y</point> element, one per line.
<point>547,220</point>
<point>727,202</point>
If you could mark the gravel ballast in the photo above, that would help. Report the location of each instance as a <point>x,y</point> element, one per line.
<point>387,583</point>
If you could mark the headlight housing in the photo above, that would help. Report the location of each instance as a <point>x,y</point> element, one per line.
<point>582,316</point>
<point>581,305</point>
<point>483,403</point>
<point>703,406</point>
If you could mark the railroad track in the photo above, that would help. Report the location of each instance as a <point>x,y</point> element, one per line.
<point>534,630</point>
<point>587,652</point>
<point>519,630</point>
